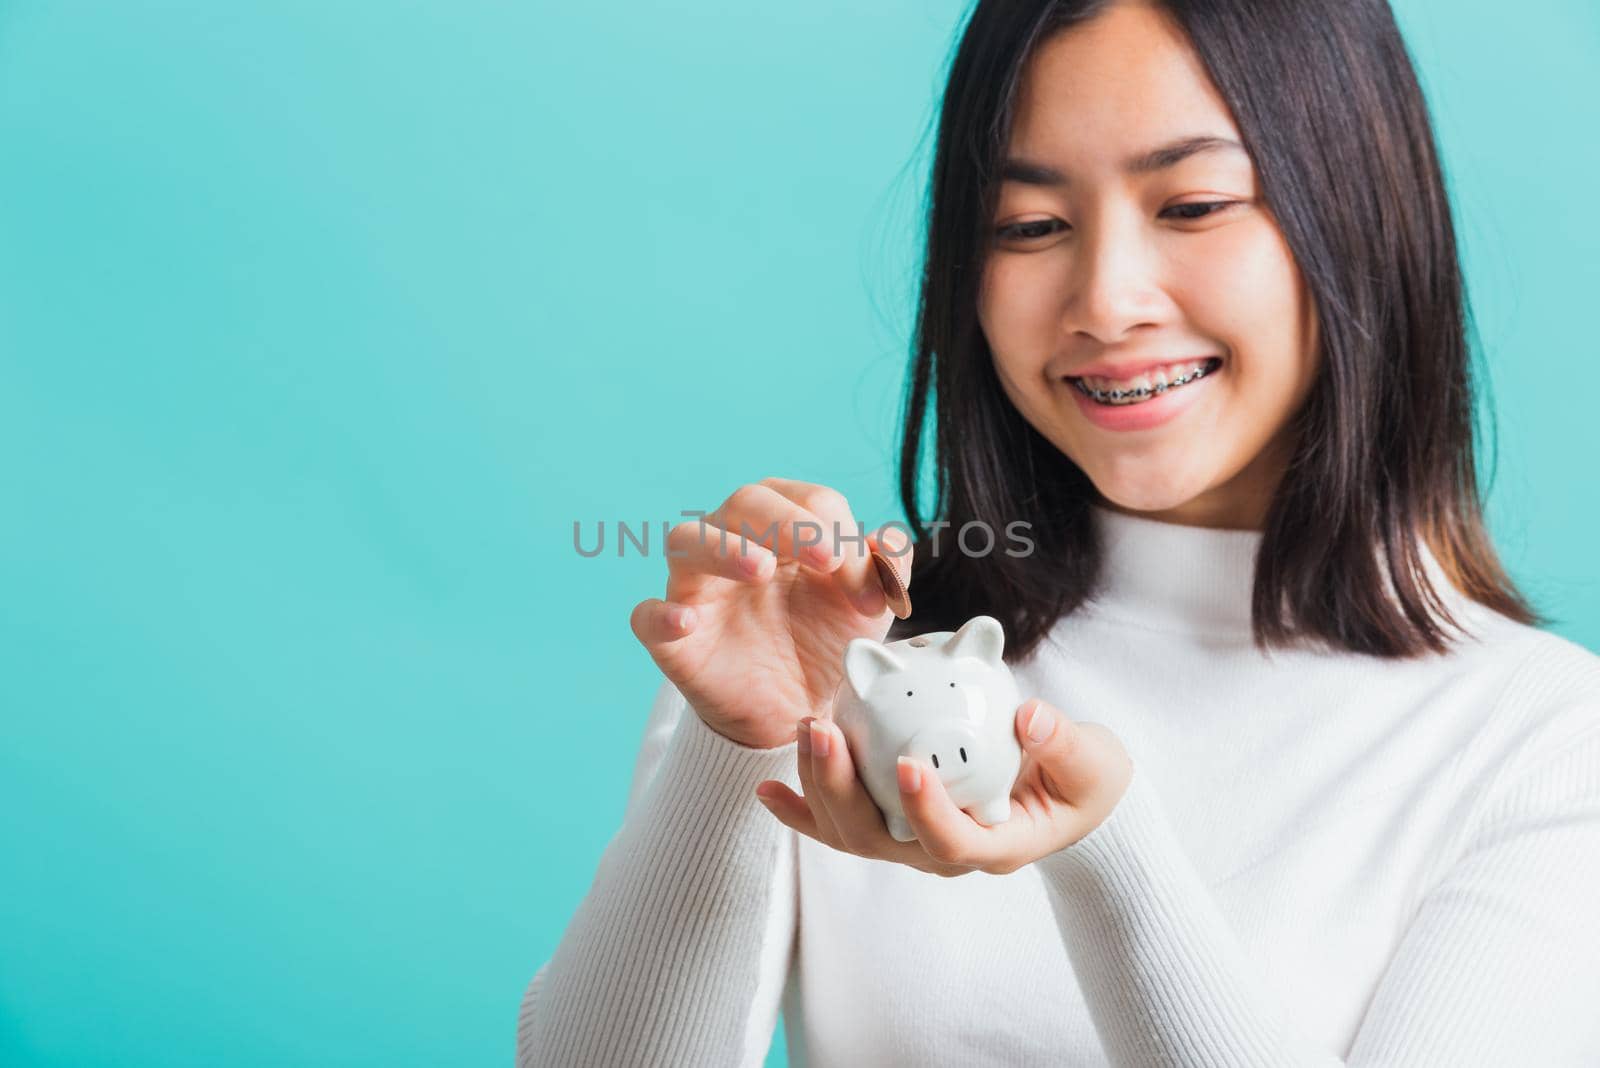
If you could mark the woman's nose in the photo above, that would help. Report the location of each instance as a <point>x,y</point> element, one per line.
<point>1113,287</point>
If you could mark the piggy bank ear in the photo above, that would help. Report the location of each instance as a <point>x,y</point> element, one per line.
<point>981,637</point>
<point>865,661</point>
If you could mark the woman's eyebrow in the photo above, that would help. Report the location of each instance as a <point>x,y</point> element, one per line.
<point>1032,172</point>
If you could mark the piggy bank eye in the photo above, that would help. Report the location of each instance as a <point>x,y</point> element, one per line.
<point>908,693</point>
<point>952,685</point>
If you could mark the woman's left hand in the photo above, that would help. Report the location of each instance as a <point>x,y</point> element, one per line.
<point>1072,776</point>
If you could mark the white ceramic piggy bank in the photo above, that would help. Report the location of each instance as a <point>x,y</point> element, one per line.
<point>945,698</point>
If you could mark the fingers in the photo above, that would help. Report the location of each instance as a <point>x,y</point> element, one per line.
<point>814,525</point>
<point>805,739</point>
<point>790,527</point>
<point>657,623</point>
<point>841,813</point>
<point>794,812</point>
<point>850,809</point>
<point>801,522</point>
<point>698,552</point>
<point>837,810</point>
<point>1058,746</point>
<point>790,808</point>
<point>954,836</point>
<point>945,832</point>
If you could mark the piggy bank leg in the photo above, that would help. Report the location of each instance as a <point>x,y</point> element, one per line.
<point>992,812</point>
<point>899,829</point>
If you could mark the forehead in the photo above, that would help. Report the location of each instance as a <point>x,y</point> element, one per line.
<point>1126,79</point>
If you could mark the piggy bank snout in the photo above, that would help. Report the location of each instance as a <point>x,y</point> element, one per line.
<point>951,750</point>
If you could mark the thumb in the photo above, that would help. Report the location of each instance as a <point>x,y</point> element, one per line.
<point>1063,750</point>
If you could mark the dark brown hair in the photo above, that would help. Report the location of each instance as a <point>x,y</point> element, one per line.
<point>1326,99</point>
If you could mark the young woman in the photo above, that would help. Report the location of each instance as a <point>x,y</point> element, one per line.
<point>1302,782</point>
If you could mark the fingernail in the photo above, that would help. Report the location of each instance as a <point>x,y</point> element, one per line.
<point>763,796</point>
<point>802,735</point>
<point>819,738</point>
<point>1041,724</point>
<point>910,775</point>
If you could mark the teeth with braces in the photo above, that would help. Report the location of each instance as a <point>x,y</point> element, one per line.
<point>1104,395</point>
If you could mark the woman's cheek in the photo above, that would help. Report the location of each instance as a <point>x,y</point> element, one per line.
<point>1225,276</point>
<point>1022,299</point>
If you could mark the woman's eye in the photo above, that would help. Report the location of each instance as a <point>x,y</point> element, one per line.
<point>1202,208</point>
<point>1026,231</point>
<point>1038,228</point>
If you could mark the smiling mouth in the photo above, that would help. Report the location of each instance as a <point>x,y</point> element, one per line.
<point>1145,387</point>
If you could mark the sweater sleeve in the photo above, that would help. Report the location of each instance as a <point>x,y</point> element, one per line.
<point>1499,965</point>
<point>679,951</point>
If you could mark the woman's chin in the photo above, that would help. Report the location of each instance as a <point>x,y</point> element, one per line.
<point>1142,495</point>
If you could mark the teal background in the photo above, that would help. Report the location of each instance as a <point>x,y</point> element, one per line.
<point>320,325</point>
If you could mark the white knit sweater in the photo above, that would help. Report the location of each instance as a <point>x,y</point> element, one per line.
<point>1321,859</point>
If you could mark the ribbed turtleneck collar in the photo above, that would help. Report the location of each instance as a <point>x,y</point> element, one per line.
<point>1175,577</point>
<point>1200,580</point>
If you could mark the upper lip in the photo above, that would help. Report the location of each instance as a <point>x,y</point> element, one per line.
<point>1131,367</point>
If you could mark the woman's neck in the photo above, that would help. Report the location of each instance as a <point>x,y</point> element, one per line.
<point>1175,575</point>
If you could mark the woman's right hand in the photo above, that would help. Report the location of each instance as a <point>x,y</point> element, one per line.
<point>756,642</point>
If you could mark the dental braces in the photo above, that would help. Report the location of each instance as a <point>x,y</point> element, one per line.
<point>1104,395</point>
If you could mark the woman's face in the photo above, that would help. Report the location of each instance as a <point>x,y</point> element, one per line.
<point>1110,277</point>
